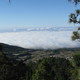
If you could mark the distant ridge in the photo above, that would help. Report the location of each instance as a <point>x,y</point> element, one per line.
<point>17,53</point>
<point>41,29</point>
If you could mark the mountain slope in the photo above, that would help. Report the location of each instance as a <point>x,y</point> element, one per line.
<point>18,53</point>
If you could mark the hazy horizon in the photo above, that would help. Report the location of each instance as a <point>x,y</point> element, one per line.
<point>40,39</point>
<point>59,28</point>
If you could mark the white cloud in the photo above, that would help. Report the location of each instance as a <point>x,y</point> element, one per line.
<point>40,39</point>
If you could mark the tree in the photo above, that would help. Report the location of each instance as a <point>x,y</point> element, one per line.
<point>55,69</point>
<point>75,35</point>
<point>76,59</point>
<point>75,18</point>
<point>75,1</point>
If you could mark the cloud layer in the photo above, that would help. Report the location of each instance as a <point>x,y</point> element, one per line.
<point>40,39</point>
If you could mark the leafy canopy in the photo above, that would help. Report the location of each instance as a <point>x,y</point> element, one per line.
<point>75,18</point>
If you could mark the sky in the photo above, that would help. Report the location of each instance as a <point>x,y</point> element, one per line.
<point>35,13</point>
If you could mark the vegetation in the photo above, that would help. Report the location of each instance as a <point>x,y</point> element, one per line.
<point>11,71</point>
<point>75,1</point>
<point>76,35</point>
<point>45,69</point>
<point>55,69</point>
<point>76,59</point>
<point>75,18</point>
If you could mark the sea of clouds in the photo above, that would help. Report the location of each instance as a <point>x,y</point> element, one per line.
<point>40,39</point>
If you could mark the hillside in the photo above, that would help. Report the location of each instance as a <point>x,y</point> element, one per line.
<point>18,53</point>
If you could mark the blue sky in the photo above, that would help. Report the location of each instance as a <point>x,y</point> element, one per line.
<point>35,13</point>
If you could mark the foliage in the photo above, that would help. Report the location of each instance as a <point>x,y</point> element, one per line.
<point>75,35</point>
<point>54,69</point>
<point>31,66</point>
<point>75,18</point>
<point>45,69</point>
<point>76,59</point>
<point>11,71</point>
<point>75,1</point>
